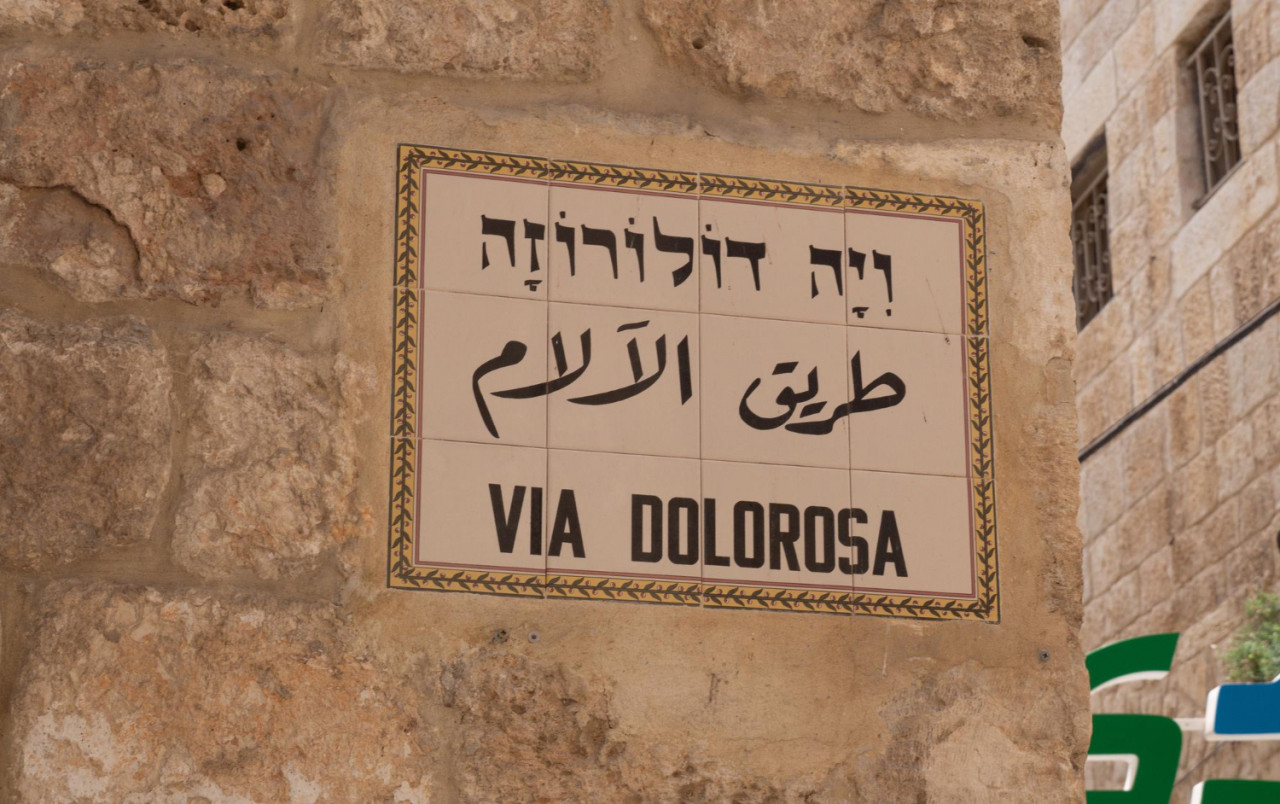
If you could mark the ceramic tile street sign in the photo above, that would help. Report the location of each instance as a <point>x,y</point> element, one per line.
<point>618,383</point>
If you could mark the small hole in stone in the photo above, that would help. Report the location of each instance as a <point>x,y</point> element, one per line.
<point>699,43</point>
<point>1035,41</point>
<point>1044,655</point>
<point>533,636</point>
<point>234,5</point>
<point>500,635</point>
<point>241,143</point>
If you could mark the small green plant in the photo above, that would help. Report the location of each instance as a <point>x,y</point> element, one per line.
<point>1255,649</point>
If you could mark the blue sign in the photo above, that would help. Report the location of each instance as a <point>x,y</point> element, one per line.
<point>1243,712</point>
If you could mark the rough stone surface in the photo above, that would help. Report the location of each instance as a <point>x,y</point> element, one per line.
<point>224,196</point>
<point>140,694</point>
<point>943,725</point>
<point>260,656</point>
<point>563,730</point>
<point>564,723</point>
<point>246,20</point>
<point>527,39</point>
<point>71,242</point>
<point>268,467</point>
<point>84,438</point>
<point>936,58</point>
<point>132,694</point>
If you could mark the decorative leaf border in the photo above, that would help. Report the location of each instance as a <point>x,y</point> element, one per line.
<point>440,579</point>
<point>787,192</point>
<point>667,181</point>
<point>635,590</point>
<point>773,598</point>
<point>404,363</point>
<point>972,217</point>
<point>403,574</point>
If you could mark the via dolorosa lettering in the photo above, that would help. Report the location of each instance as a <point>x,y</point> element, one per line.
<point>778,536</point>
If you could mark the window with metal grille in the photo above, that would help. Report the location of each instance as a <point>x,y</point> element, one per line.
<point>1089,242</point>
<point>1213,69</point>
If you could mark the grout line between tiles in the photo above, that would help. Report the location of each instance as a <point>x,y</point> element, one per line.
<point>702,392</point>
<point>546,429</point>
<point>422,290</point>
<point>687,458</point>
<point>848,371</point>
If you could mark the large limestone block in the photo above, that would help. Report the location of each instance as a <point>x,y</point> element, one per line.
<point>84,438</point>
<point>560,40</point>
<point>1099,36</point>
<point>1088,108</point>
<point>1180,20</point>
<point>138,694</point>
<point>529,729</point>
<point>218,175</point>
<point>1106,337</point>
<point>941,59</point>
<point>244,20</point>
<point>69,241</point>
<point>133,694</point>
<point>1242,200</point>
<point>1259,106</point>
<point>268,467</point>
<point>1134,51</point>
<point>1075,15</point>
<point>1254,270</point>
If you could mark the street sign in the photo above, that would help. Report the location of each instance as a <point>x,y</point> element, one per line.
<point>617,383</point>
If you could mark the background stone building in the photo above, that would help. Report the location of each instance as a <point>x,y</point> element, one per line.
<point>1170,123</point>
<point>197,219</point>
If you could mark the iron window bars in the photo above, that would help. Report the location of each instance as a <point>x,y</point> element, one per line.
<point>1090,243</point>
<point>1213,66</point>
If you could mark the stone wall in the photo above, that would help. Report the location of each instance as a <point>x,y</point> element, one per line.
<point>196,212</point>
<point>1180,512</point>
